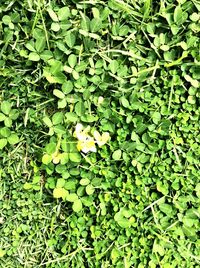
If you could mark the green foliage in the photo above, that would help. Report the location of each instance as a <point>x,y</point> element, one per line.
<point>7,114</point>
<point>99,134</point>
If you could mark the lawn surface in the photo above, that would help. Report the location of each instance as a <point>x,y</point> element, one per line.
<point>99,134</point>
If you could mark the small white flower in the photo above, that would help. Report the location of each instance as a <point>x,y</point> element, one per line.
<point>78,128</point>
<point>1,220</point>
<point>100,100</point>
<point>86,143</point>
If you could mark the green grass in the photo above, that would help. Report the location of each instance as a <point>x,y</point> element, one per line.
<point>99,134</point>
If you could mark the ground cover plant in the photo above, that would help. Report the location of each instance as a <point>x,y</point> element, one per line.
<point>99,133</point>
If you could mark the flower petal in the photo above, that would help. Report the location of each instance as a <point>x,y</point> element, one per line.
<point>79,128</point>
<point>97,135</point>
<point>105,136</point>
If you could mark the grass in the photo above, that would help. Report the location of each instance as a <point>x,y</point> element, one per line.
<point>99,134</point>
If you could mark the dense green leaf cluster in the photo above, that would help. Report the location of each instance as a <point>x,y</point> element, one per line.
<point>129,73</point>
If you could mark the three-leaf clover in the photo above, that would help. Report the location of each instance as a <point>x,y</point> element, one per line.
<point>63,95</point>
<point>7,136</point>
<point>86,142</point>
<point>72,61</point>
<point>7,115</point>
<point>61,192</point>
<point>55,124</point>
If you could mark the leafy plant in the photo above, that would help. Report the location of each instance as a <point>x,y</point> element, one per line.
<point>7,136</point>
<point>101,152</point>
<point>8,114</point>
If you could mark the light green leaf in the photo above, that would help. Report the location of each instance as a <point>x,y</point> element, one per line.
<point>13,139</point>
<point>85,23</point>
<point>75,157</point>
<point>117,154</point>
<point>147,8</point>
<point>90,118</point>
<point>55,26</point>
<point>8,122</point>
<point>5,132</point>
<point>77,206</point>
<point>166,208</point>
<point>95,12</point>
<point>52,14</point>
<point>3,143</point>
<point>80,108</point>
<point>71,117</point>
<point>89,189</point>
<point>14,114</point>
<point>94,36</point>
<point>72,197</point>
<point>6,107</point>
<point>2,253</point>
<point>125,102</point>
<point>67,69</point>
<point>38,33</point>
<point>115,254</point>
<point>50,148</point>
<point>62,103</point>
<point>191,99</point>
<point>67,87</point>
<point>2,117</point>
<point>30,46</point>
<point>70,185</point>
<point>33,56</point>
<point>121,220</point>
<point>75,75</point>
<point>84,182</point>
<point>113,66</point>
<point>46,159</point>
<point>59,129</point>
<point>27,186</point>
<point>57,118</point>
<point>84,33</point>
<point>156,117</point>
<point>60,193</point>
<point>62,47</point>
<point>178,13</point>
<point>40,44</point>
<point>95,25</point>
<point>63,13</point>
<point>195,17</point>
<point>158,248</point>
<point>188,222</point>
<point>6,19</point>
<point>60,183</point>
<point>72,60</point>
<point>47,121</point>
<point>162,188</point>
<point>59,94</point>
<point>46,55</point>
<point>70,39</point>
<point>64,158</point>
<point>197,189</point>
